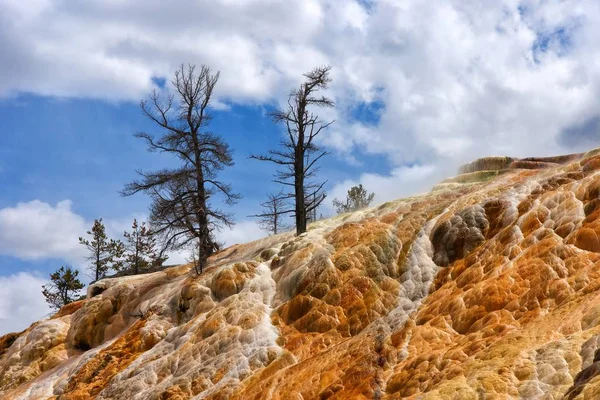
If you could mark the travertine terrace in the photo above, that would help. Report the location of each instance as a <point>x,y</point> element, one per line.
<point>486,287</point>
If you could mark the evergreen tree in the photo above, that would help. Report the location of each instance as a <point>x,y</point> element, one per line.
<point>104,253</point>
<point>356,199</point>
<point>140,248</point>
<point>63,288</point>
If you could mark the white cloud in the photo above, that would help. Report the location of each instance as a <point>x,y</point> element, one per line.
<point>458,79</point>
<point>179,257</point>
<point>36,230</point>
<point>242,232</point>
<point>21,301</point>
<point>112,49</point>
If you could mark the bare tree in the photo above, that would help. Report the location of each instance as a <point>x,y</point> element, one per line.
<point>299,153</point>
<point>180,210</point>
<point>312,215</point>
<point>274,209</point>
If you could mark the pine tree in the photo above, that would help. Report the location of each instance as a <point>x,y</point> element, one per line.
<point>104,253</point>
<point>63,288</point>
<point>356,199</point>
<point>140,248</point>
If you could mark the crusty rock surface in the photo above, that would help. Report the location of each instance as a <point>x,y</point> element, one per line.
<point>480,289</point>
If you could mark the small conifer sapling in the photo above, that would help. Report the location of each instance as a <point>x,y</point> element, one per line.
<point>63,288</point>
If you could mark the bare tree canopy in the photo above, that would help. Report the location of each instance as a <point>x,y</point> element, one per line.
<point>299,152</point>
<point>274,210</point>
<point>356,199</point>
<point>181,210</point>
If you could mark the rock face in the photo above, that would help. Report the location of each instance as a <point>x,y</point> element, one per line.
<point>483,288</point>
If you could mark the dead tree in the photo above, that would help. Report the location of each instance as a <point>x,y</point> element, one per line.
<point>299,152</point>
<point>180,209</point>
<point>274,209</point>
<point>312,215</point>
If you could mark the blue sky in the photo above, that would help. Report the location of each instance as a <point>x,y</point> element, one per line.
<point>83,150</point>
<point>420,87</point>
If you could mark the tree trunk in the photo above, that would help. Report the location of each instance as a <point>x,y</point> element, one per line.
<point>97,264</point>
<point>137,257</point>
<point>275,216</point>
<point>203,242</point>
<point>299,193</point>
<point>299,168</point>
<point>204,233</point>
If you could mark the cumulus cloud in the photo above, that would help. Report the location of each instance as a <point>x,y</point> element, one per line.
<point>457,79</point>
<point>113,49</point>
<point>242,232</point>
<point>36,230</point>
<point>21,301</point>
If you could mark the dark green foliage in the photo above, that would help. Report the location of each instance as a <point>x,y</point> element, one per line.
<point>104,253</point>
<point>140,249</point>
<point>63,288</point>
<point>356,199</point>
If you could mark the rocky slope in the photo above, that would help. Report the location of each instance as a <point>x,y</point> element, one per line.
<point>487,287</point>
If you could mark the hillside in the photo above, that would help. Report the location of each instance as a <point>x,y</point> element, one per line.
<point>486,287</point>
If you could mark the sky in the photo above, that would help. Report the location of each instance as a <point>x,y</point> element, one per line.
<point>420,87</point>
